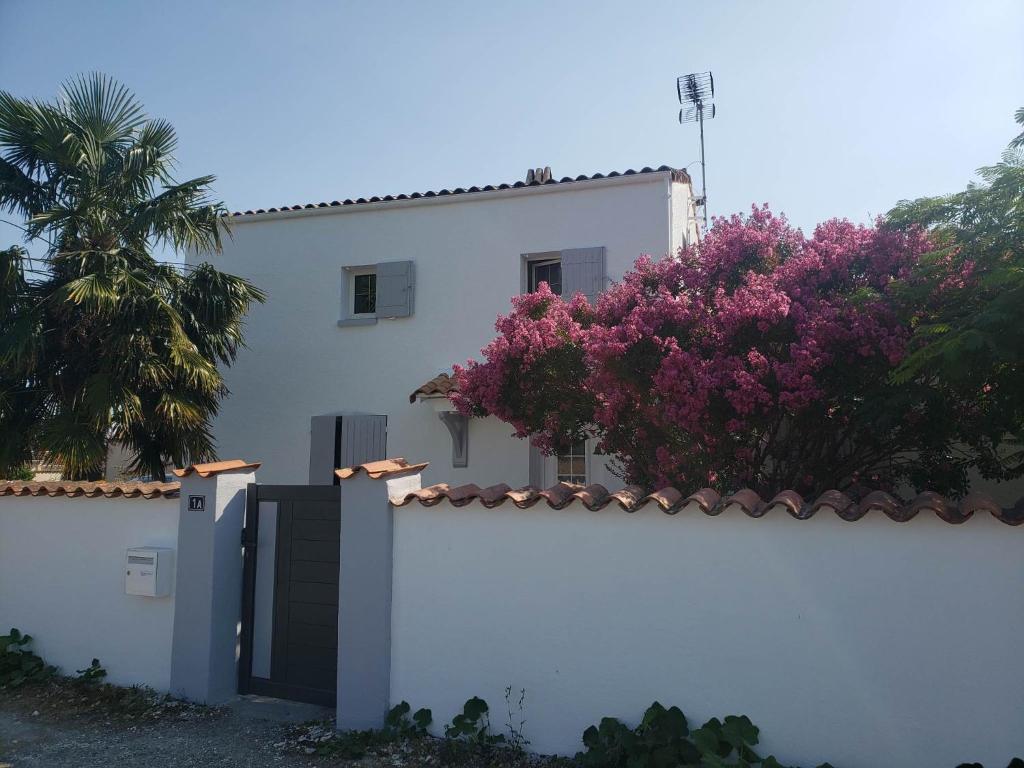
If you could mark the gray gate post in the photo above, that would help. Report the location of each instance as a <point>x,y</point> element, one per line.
<point>208,580</point>
<point>364,589</point>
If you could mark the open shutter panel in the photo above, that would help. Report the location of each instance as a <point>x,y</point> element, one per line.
<point>363,439</point>
<point>394,289</point>
<point>583,271</point>
<point>537,460</point>
<point>322,443</point>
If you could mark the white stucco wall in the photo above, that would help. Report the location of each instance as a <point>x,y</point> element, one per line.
<point>467,252</point>
<point>62,580</point>
<point>865,644</point>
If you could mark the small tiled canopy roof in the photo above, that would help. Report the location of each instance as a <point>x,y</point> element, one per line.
<point>74,488</point>
<point>708,501</point>
<point>439,386</point>
<point>216,467</point>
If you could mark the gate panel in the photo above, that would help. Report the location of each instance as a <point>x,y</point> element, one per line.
<point>304,637</point>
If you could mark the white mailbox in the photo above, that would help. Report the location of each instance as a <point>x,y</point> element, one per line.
<point>147,571</point>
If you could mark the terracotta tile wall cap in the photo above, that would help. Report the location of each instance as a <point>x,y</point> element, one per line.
<point>217,467</point>
<point>75,489</point>
<point>381,469</point>
<point>671,501</point>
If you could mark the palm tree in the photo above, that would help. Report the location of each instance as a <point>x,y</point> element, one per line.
<point>100,340</point>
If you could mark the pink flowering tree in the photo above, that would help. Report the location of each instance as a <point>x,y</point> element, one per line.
<point>760,358</point>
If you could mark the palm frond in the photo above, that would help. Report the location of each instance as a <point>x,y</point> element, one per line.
<point>111,343</point>
<point>102,108</point>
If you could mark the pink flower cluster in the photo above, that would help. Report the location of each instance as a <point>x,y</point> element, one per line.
<point>686,368</point>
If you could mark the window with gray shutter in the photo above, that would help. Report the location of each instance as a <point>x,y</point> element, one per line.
<point>395,289</point>
<point>583,271</point>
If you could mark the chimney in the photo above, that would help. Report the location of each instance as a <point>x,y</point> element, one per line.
<point>538,175</point>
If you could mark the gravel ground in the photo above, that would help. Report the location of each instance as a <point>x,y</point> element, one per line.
<point>59,725</point>
<point>231,741</point>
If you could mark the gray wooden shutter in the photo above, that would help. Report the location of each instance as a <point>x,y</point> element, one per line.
<point>537,461</point>
<point>323,432</point>
<point>583,271</point>
<point>395,289</point>
<point>363,439</point>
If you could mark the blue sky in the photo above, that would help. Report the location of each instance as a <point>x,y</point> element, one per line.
<point>825,109</point>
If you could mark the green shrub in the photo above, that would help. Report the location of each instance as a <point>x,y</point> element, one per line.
<point>24,473</point>
<point>664,740</point>
<point>354,745</point>
<point>91,675</point>
<point>18,664</point>
<point>398,724</point>
<point>473,725</point>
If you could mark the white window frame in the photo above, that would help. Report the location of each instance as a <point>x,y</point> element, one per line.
<point>361,272</point>
<point>587,452</point>
<point>348,296</point>
<point>531,282</point>
<point>531,260</point>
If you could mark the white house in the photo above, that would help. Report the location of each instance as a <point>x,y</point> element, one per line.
<point>371,299</point>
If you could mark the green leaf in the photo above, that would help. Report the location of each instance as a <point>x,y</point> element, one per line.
<point>423,718</point>
<point>738,730</point>
<point>475,708</point>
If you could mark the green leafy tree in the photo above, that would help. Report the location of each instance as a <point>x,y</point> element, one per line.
<point>99,339</point>
<point>967,301</point>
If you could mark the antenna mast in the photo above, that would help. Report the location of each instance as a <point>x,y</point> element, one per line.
<point>697,93</point>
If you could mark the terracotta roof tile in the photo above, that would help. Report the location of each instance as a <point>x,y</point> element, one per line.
<point>671,501</point>
<point>74,489</point>
<point>439,386</point>
<point>381,469</point>
<point>216,467</point>
<point>678,174</point>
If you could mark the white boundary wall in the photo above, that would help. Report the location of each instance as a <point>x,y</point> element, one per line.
<point>863,643</point>
<point>62,581</point>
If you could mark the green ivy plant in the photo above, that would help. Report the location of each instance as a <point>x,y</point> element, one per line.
<point>473,725</point>
<point>398,723</point>
<point>18,664</point>
<point>663,739</point>
<point>91,675</point>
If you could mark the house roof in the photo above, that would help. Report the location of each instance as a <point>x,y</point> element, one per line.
<point>670,500</point>
<point>439,386</point>
<point>74,488</point>
<point>216,467</point>
<point>678,174</point>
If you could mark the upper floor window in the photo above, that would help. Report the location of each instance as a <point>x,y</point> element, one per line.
<point>572,465</point>
<point>545,271</point>
<point>567,272</point>
<point>364,293</point>
<point>370,292</point>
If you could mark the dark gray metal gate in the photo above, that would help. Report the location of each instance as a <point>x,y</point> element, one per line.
<point>304,646</point>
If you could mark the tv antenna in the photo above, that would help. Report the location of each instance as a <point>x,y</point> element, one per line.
<point>697,94</point>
